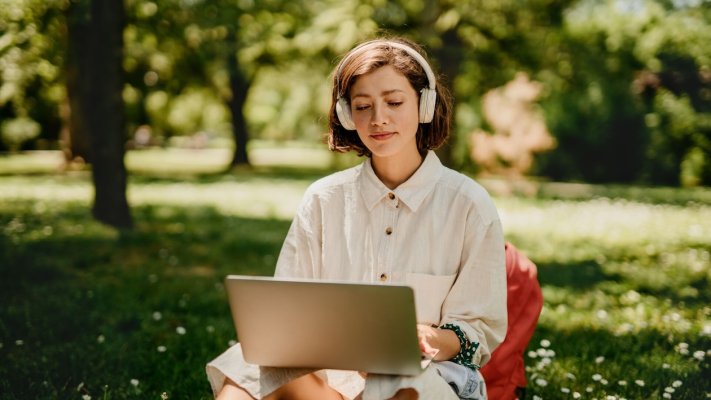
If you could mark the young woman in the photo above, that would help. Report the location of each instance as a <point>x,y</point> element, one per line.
<point>399,217</point>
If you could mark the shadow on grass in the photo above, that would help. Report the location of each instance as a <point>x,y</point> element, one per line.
<point>85,307</point>
<point>647,356</point>
<point>235,175</point>
<point>577,275</point>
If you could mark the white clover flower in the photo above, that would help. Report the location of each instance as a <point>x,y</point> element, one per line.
<point>19,342</point>
<point>536,397</point>
<point>589,389</point>
<point>100,339</point>
<point>576,395</point>
<point>232,342</point>
<point>666,395</point>
<point>601,314</point>
<point>134,382</point>
<point>570,376</point>
<point>545,343</point>
<point>161,349</point>
<point>180,330</point>
<point>699,355</point>
<point>210,328</point>
<point>157,315</point>
<point>81,385</point>
<point>541,382</point>
<point>550,353</point>
<point>706,331</point>
<point>603,381</point>
<point>669,389</point>
<point>666,366</point>
<point>541,352</point>
<point>86,397</point>
<point>596,377</point>
<point>599,360</point>
<point>532,354</point>
<point>676,384</point>
<point>639,382</point>
<point>622,383</point>
<point>565,390</point>
<point>610,397</point>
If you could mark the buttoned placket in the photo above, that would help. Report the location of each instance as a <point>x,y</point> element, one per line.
<point>388,230</point>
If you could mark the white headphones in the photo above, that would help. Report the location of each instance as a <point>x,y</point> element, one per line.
<point>428,95</point>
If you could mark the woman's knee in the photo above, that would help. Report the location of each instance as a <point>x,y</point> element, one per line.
<point>308,386</point>
<point>406,394</point>
<point>231,391</point>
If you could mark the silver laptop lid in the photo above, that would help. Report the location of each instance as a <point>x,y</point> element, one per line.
<point>318,324</point>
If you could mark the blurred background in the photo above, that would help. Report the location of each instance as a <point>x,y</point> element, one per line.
<point>195,126</point>
<point>596,91</point>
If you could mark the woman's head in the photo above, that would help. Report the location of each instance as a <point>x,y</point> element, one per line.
<point>402,57</point>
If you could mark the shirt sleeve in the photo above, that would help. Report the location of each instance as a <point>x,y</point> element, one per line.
<point>300,255</point>
<point>477,301</point>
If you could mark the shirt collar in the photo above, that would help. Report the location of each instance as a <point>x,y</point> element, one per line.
<point>411,192</point>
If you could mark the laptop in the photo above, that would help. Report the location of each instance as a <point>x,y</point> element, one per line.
<point>326,325</point>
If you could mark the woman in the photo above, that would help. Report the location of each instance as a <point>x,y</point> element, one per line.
<point>399,217</point>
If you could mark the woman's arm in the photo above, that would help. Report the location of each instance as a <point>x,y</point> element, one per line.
<point>476,304</point>
<point>444,341</point>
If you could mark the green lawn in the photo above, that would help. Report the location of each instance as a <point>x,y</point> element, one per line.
<point>88,311</point>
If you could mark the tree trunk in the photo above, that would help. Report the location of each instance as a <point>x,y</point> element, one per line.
<point>239,86</point>
<point>75,139</point>
<point>449,58</point>
<point>100,103</point>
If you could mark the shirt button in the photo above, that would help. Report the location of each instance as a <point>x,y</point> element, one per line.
<point>388,230</point>
<point>383,277</point>
<point>391,196</point>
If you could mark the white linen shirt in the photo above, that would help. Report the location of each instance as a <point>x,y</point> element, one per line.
<point>438,232</point>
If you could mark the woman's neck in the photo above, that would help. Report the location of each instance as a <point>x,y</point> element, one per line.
<point>394,171</point>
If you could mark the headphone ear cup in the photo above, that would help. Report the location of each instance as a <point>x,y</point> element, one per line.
<point>343,111</point>
<point>428,100</point>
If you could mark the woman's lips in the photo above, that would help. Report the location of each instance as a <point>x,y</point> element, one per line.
<point>382,135</point>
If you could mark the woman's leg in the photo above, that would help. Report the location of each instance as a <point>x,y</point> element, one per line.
<point>230,391</point>
<point>308,386</point>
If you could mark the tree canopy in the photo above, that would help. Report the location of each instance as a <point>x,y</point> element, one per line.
<point>626,84</point>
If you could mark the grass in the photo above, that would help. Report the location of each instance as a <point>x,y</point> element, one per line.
<point>89,311</point>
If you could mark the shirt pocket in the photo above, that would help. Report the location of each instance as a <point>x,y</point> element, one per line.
<point>430,292</point>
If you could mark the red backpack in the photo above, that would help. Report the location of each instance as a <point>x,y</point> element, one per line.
<point>505,373</point>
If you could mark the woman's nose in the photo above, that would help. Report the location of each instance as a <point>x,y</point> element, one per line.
<point>378,117</point>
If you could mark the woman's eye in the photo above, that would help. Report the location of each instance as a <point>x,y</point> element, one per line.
<point>362,107</point>
<point>395,103</point>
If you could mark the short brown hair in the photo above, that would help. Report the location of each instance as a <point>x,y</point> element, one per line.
<point>367,58</point>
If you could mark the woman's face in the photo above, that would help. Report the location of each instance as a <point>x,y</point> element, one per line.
<point>385,110</point>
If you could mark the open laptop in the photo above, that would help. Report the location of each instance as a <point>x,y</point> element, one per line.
<point>326,325</point>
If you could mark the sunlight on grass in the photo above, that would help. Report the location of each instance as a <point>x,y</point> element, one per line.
<point>625,273</point>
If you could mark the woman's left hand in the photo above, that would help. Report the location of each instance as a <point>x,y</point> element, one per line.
<point>443,344</point>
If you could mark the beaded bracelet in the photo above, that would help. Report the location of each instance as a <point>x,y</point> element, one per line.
<point>466,347</point>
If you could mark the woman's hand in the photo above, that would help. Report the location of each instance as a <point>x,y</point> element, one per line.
<point>443,344</point>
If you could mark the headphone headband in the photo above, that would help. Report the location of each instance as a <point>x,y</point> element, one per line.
<point>431,81</point>
<point>428,95</point>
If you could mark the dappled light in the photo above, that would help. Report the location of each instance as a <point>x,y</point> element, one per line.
<point>624,273</point>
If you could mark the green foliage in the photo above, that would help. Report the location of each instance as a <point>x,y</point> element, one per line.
<point>627,83</point>
<point>18,130</point>
<point>88,311</point>
<point>30,61</point>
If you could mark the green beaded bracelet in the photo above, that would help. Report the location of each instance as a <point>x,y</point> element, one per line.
<point>466,347</point>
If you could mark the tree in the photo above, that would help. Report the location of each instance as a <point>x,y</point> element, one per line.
<point>95,33</point>
<point>478,45</point>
